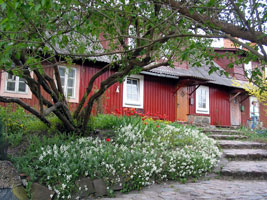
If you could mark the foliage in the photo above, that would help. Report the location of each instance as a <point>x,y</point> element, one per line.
<point>257,135</point>
<point>13,122</point>
<point>136,34</point>
<point>255,91</point>
<point>16,124</point>
<point>138,155</point>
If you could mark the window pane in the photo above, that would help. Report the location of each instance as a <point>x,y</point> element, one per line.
<point>62,81</point>
<point>62,71</point>
<point>70,82</point>
<point>22,87</point>
<point>21,79</point>
<point>70,92</point>
<point>132,90</point>
<point>71,73</point>
<point>134,82</point>
<point>11,86</point>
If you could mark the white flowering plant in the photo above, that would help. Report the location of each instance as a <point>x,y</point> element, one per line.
<point>138,155</point>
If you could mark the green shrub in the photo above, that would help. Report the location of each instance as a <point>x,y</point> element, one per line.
<point>142,152</point>
<point>102,121</point>
<point>14,120</point>
<point>37,125</point>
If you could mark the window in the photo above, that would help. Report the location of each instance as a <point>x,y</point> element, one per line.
<point>202,100</point>
<point>133,89</point>
<point>14,86</point>
<point>68,81</point>
<point>248,69</point>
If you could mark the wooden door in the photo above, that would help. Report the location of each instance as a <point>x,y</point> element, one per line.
<point>235,111</point>
<point>182,104</point>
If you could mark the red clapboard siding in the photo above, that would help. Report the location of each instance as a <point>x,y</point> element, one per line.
<point>111,99</point>
<point>245,114</point>
<point>159,96</point>
<point>263,114</point>
<point>219,106</point>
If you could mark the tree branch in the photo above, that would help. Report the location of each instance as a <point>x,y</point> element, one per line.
<point>26,107</point>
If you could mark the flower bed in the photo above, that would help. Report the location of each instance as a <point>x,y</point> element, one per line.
<point>140,153</point>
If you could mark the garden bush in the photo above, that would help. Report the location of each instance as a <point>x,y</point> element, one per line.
<point>13,121</point>
<point>142,151</point>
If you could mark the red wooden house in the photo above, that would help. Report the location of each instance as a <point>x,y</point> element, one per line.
<point>183,93</point>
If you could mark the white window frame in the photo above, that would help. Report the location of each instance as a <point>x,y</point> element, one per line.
<point>140,102</point>
<point>16,85</point>
<point>16,94</point>
<point>207,109</point>
<point>248,68</point>
<point>65,89</point>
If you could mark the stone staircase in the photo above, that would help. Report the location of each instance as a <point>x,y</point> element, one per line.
<point>241,159</point>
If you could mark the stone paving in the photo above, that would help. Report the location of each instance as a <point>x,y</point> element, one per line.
<point>202,190</point>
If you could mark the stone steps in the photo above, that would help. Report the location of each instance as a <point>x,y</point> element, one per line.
<point>227,137</point>
<point>236,144</point>
<point>245,154</point>
<point>222,131</point>
<point>241,159</point>
<point>245,170</point>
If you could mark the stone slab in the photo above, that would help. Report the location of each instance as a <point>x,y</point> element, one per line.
<point>227,137</point>
<point>100,187</point>
<point>222,131</point>
<point>40,192</point>
<point>20,192</point>
<point>246,169</point>
<point>236,144</point>
<point>7,194</point>
<point>248,154</point>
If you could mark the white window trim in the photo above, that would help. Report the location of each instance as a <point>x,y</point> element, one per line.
<point>16,93</point>
<point>75,98</point>
<point>16,86</point>
<point>140,103</point>
<point>201,110</point>
<point>248,68</point>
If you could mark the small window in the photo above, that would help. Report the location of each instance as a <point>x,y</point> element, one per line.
<point>68,81</point>
<point>133,88</point>
<point>248,69</point>
<point>15,84</point>
<point>202,100</point>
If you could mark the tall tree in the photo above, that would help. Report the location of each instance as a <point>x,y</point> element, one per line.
<point>136,34</point>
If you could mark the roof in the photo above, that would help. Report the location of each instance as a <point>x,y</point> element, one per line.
<point>90,44</point>
<point>201,73</point>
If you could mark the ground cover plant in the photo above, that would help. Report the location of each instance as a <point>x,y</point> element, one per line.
<point>138,151</point>
<point>258,135</point>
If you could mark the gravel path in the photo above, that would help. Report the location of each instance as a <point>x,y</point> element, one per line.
<point>8,175</point>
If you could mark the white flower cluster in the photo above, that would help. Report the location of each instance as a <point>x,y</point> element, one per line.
<point>136,157</point>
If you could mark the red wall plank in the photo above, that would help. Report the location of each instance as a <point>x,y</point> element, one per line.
<point>219,106</point>
<point>159,96</point>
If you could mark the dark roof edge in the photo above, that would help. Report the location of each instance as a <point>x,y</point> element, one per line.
<point>159,75</point>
